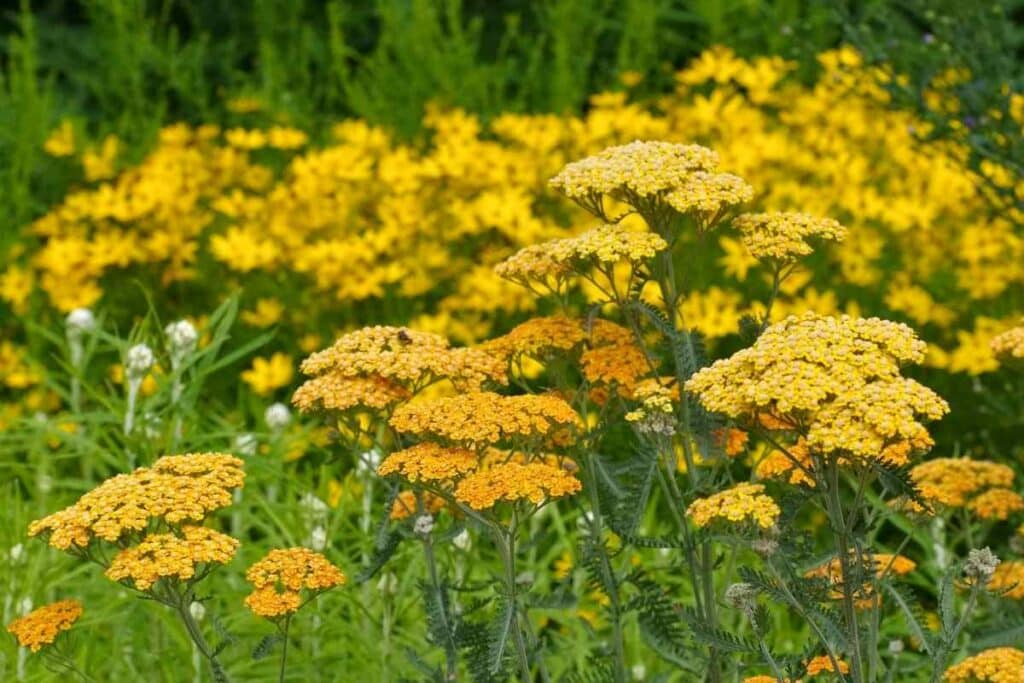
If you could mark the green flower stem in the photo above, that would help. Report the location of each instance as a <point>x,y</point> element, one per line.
<point>505,540</point>
<point>450,652</point>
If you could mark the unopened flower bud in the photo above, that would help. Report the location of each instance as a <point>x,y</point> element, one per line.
<point>639,672</point>
<point>138,362</point>
<point>424,525</point>
<point>895,646</point>
<point>981,565</point>
<point>741,596</point>
<point>462,540</point>
<point>318,538</point>
<point>25,605</point>
<point>246,444</point>
<point>277,416</point>
<point>181,339</point>
<point>388,583</point>
<point>16,553</point>
<point>197,610</point>
<point>79,322</point>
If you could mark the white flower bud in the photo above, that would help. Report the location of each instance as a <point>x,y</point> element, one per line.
<point>79,322</point>
<point>277,416</point>
<point>639,672</point>
<point>462,540</point>
<point>424,525</point>
<point>368,462</point>
<point>246,444</point>
<point>318,538</point>
<point>585,521</point>
<point>895,646</point>
<point>44,482</point>
<point>16,553</point>
<point>981,565</point>
<point>388,583</point>
<point>181,339</point>
<point>138,361</point>
<point>312,507</point>
<point>197,610</point>
<point>25,605</point>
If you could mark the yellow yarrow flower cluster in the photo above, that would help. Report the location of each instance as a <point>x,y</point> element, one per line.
<point>834,380</point>
<point>707,196</point>
<point>430,463</point>
<point>280,577</point>
<point>980,486</point>
<point>1009,345</point>
<point>479,419</point>
<point>537,338</point>
<point>782,237</point>
<point>178,488</point>
<point>336,393</point>
<point>41,627</point>
<point>739,504</point>
<point>511,482</point>
<point>404,505</point>
<point>171,556</point>
<point>995,665</point>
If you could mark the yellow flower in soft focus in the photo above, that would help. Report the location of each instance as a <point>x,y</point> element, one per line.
<point>244,104</point>
<point>736,259</point>
<point>100,164</point>
<point>149,383</point>
<point>269,374</point>
<point>308,343</point>
<point>563,566</point>
<point>631,78</point>
<point>15,287</point>
<point>267,312</point>
<point>61,142</point>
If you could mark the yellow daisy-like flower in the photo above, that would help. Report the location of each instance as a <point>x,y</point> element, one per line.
<point>269,374</point>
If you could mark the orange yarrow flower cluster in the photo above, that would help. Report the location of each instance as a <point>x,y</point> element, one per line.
<point>280,577</point>
<point>176,489</point>
<point>171,556</point>
<point>41,627</point>
<point>512,481</point>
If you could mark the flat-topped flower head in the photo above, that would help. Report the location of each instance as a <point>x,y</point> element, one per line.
<point>1009,346</point>
<point>176,489</point>
<point>537,338</point>
<point>281,577</point>
<point>510,482</point>
<point>707,197</point>
<point>823,664</point>
<point>171,556</point>
<point>429,462</point>
<point>958,482</point>
<point>835,381</point>
<point>630,172</point>
<point>336,392</point>
<point>479,419</point>
<point>41,627</point>
<point>742,504</point>
<point>784,237</point>
<point>995,665</point>
<point>406,357</point>
<point>535,266</point>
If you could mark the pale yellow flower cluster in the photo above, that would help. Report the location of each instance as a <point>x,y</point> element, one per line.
<point>740,504</point>
<point>783,237</point>
<point>1009,345</point>
<point>836,381</point>
<point>706,196</point>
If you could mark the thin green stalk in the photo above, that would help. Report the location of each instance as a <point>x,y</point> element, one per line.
<point>194,632</point>
<point>284,648</point>
<point>450,652</point>
<point>841,527</point>
<point>505,540</point>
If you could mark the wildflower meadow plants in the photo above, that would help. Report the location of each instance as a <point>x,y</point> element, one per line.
<point>586,497</point>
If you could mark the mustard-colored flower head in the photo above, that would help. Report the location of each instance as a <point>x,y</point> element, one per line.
<point>335,392</point>
<point>171,556</point>
<point>835,381</point>
<point>981,486</point>
<point>793,465</point>
<point>512,481</point>
<point>537,338</point>
<point>429,462</point>
<point>404,505</point>
<point>996,665</point>
<point>1008,579</point>
<point>823,664</point>
<point>632,172</point>
<point>881,565</point>
<point>178,488</point>
<point>280,577</point>
<point>481,419</point>
<point>743,503</point>
<point>782,237</point>
<point>536,265</point>
<point>1009,346</point>
<point>42,626</point>
<point>407,357</point>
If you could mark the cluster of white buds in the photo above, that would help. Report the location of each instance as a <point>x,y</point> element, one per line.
<point>181,341</point>
<point>463,541</point>
<point>981,565</point>
<point>197,610</point>
<point>137,362</point>
<point>246,444</point>
<point>743,597</point>
<point>79,322</point>
<point>277,416</point>
<point>424,525</point>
